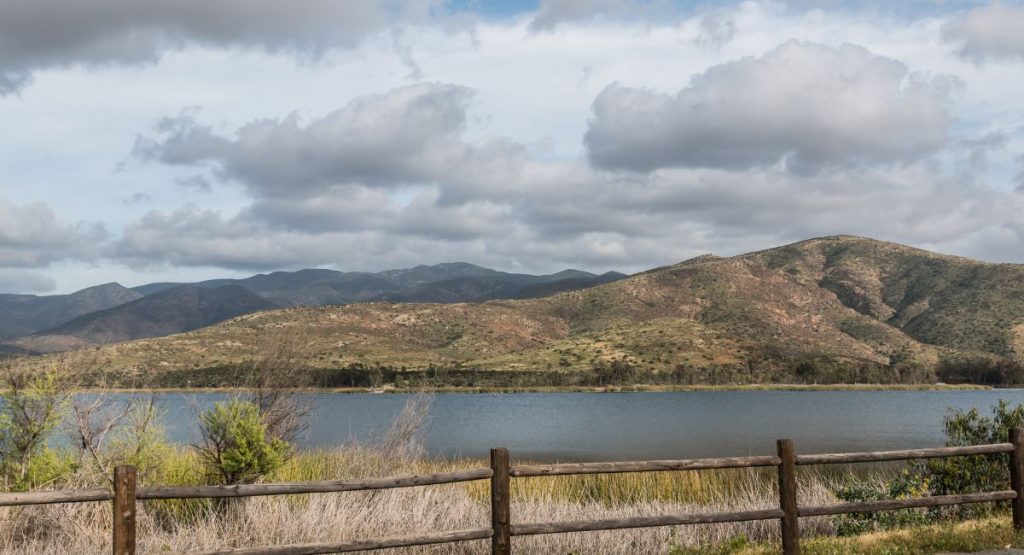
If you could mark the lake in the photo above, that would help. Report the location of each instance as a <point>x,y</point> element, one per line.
<point>620,426</point>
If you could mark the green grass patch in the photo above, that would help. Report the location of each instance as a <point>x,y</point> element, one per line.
<point>975,535</point>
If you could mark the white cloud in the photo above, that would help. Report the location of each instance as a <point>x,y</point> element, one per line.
<point>991,32</point>
<point>31,236</point>
<point>486,162</point>
<point>806,105</point>
<point>409,135</point>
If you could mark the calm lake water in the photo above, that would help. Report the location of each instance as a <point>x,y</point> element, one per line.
<point>619,426</point>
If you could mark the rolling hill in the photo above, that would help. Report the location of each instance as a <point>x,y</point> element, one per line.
<point>836,300</point>
<point>106,314</point>
<point>174,310</point>
<point>446,282</point>
<point>25,314</point>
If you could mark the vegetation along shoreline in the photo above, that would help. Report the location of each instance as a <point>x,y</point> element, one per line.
<point>637,388</point>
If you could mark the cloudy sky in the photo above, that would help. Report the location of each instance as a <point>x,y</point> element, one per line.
<point>152,140</point>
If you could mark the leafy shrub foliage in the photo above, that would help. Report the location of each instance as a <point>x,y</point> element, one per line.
<point>907,483</point>
<point>975,474</point>
<point>31,407</point>
<point>236,448</point>
<point>948,476</point>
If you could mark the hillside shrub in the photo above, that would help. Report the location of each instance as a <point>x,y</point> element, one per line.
<point>617,372</point>
<point>981,371</point>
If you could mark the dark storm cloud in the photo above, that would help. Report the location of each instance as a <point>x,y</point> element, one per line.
<point>39,34</point>
<point>409,135</point>
<point>807,105</point>
<point>992,32</point>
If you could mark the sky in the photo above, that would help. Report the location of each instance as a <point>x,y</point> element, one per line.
<point>155,140</point>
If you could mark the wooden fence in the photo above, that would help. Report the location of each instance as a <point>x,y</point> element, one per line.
<point>501,531</point>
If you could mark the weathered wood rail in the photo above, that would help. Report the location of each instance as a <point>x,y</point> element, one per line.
<point>501,471</point>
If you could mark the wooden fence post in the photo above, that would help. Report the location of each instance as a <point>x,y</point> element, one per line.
<point>124,510</point>
<point>501,541</point>
<point>1017,477</point>
<point>790,522</point>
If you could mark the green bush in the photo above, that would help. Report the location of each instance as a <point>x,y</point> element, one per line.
<point>948,476</point>
<point>31,407</point>
<point>907,483</point>
<point>140,442</point>
<point>236,448</point>
<point>47,467</point>
<point>959,475</point>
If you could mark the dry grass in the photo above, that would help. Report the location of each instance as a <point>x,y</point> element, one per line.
<point>163,526</point>
<point>178,526</point>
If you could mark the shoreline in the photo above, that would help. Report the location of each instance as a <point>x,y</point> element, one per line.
<point>638,388</point>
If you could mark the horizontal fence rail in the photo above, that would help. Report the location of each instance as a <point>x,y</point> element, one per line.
<point>643,522</point>
<point>885,456</point>
<point>361,545</point>
<point>907,503</point>
<point>526,470</point>
<point>500,473</point>
<point>50,497</point>
<point>253,490</point>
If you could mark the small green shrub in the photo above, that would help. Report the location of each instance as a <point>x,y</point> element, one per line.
<point>142,442</point>
<point>236,448</point>
<point>908,483</point>
<point>959,475</point>
<point>47,467</point>
<point>31,407</point>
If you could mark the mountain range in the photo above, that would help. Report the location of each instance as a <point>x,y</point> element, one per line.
<point>112,313</point>
<point>835,301</point>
